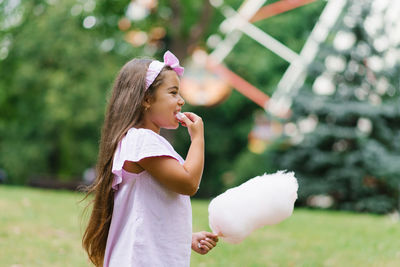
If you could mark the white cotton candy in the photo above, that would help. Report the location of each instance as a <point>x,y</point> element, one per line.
<point>180,116</point>
<point>263,200</point>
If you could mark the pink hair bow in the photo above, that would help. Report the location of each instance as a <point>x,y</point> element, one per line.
<point>156,66</point>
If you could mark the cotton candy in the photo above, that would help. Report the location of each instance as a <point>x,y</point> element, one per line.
<point>263,200</point>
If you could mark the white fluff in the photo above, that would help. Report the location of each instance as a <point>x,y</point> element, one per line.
<point>263,200</point>
<point>180,116</point>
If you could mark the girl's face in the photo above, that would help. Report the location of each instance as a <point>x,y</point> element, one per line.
<point>166,103</point>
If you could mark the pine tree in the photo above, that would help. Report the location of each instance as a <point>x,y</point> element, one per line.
<point>345,123</point>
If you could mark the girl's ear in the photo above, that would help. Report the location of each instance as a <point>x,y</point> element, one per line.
<point>147,103</point>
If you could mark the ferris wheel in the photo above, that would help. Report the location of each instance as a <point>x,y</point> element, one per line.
<point>201,87</point>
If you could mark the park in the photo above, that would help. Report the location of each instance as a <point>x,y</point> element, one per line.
<point>307,86</point>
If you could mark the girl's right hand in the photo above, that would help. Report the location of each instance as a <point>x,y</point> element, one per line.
<point>194,123</point>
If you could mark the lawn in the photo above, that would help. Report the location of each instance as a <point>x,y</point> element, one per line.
<point>43,228</point>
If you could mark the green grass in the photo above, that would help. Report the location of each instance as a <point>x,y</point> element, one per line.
<point>42,228</point>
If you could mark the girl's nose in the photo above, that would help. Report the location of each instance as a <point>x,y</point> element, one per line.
<point>181,101</point>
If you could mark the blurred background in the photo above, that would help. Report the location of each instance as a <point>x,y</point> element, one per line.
<point>306,86</point>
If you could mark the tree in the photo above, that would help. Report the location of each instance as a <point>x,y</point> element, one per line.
<point>54,80</point>
<point>345,120</point>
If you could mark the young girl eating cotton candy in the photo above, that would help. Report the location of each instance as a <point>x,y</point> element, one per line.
<point>141,209</point>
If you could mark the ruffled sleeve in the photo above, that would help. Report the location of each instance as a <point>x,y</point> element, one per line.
<point>137,145</point>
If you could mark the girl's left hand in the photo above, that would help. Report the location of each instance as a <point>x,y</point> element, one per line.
<point>203,242</point>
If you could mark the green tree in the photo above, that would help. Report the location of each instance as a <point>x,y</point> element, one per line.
<point>347,136</point>
<point>53,86</point>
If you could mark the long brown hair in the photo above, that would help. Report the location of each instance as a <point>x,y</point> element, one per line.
<point>124,111</point>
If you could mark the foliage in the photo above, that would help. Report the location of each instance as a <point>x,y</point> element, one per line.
<point>44,227</point>
<point>352,154</point>
<point>53,90</point>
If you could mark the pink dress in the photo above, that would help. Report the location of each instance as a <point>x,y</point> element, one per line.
<point>151,225</point>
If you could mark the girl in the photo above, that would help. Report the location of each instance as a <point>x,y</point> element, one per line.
<point>142,214</point>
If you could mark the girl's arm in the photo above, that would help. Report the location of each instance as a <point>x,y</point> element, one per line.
<point>183,179</point>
